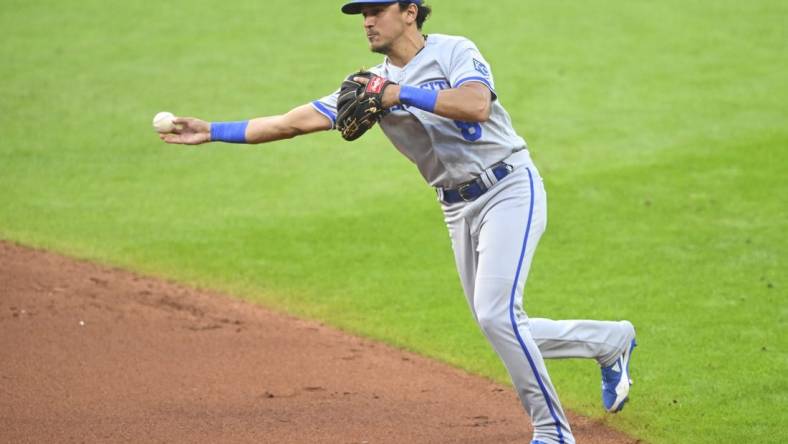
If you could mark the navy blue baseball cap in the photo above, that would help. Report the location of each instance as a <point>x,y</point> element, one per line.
<point>354,7</point>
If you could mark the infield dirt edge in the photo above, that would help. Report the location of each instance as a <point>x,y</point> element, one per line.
<point>90,353</point>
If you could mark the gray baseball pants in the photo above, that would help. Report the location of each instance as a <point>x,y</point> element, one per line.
<point>494,239</point>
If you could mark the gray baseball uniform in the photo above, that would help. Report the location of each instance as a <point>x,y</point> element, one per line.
<point>495,236</point>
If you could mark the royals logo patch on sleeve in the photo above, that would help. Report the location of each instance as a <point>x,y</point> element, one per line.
<point>481,67</point>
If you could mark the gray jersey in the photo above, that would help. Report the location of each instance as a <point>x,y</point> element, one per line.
<point>447,152</point>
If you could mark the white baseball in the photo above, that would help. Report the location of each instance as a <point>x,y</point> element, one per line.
<point>163,122</point>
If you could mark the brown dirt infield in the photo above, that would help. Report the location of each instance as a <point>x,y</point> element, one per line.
<point>93,354</point>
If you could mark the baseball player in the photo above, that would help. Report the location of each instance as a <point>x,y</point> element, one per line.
<point>434,98</point>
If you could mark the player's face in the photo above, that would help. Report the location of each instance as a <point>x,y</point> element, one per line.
<point>384,24</point>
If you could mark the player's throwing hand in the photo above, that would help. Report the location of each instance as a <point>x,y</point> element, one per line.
<point>188,131</point>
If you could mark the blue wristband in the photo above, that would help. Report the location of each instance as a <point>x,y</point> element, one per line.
<point>419,97</point>
<point>233,132</point>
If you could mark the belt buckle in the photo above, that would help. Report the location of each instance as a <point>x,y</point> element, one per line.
<point>461,191</point>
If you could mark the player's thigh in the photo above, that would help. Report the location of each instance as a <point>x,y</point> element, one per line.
<point>507,239</point>
<point>465,257</point>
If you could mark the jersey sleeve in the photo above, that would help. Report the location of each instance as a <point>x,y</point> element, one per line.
<point>327,106</point>
<point>468,65</point>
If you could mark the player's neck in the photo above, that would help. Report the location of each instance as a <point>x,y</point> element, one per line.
<point>406,48</point>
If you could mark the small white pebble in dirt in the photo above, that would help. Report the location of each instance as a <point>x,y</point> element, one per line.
<point>23,311</point>
<point>82,323</point>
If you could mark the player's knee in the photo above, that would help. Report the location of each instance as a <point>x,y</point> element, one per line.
<point>493,322</point>
<point>491,304</point>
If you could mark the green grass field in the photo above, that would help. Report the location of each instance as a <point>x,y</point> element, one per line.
<point>660,129</point>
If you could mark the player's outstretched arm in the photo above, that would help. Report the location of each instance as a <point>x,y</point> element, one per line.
<point>303,119</point>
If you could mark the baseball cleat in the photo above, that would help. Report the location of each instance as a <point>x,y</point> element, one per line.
<point>616,381</point>
<point>538,442</point>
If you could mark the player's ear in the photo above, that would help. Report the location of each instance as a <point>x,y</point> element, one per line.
<point>411,13</point>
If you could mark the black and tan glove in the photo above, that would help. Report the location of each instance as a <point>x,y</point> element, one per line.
<point>360,106</point>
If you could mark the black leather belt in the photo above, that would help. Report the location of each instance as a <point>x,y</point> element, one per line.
<point>471,190</point>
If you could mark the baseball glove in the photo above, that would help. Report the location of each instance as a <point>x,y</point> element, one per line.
<point>360,106</point>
